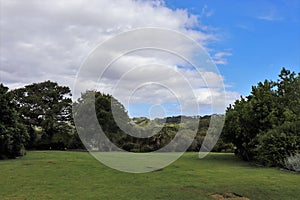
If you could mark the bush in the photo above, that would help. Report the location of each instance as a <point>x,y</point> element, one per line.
<point>293,163</point>
<point>274,146</point>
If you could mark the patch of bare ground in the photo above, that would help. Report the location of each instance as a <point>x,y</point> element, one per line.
<point>228,196</point>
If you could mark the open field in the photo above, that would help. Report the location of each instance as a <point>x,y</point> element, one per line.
<point>77,175</point>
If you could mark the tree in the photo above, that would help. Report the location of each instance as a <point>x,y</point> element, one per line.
<point>240,128</point>
<point>12,132</point>
<point>45,106</point>
<point>89,131</point>
<point>265,126</point>
<point>282,139</point>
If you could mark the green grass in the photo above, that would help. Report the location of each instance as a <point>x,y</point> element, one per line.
<point>77,175</point>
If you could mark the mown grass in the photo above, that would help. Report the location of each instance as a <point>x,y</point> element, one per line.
<point>77,175</point>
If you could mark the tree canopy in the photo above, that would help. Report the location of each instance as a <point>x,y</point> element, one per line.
<point>13,133</point>
<point>45,109</point>
<point>265,126</point>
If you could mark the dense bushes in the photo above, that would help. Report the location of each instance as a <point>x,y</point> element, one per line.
<point>265,126</point>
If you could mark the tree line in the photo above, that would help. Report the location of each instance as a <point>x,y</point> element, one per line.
<point>39,117</point>
<point>262,127</point>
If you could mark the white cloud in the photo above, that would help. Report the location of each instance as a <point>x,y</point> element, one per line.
<point>43,40</point>
<point>39,38</point>
<point>220,58</point>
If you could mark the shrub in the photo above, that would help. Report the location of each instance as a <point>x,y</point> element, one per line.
<point>293,162</point>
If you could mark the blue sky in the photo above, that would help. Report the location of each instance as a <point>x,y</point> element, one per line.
<point>262,36</point>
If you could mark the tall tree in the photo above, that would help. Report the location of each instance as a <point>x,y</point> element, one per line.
<point>45,106</point>
<point>103,105</point>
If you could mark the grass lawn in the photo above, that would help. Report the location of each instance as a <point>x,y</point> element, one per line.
<point>77,175</point>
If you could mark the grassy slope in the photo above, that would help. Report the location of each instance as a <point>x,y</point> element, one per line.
<point>77,175</point>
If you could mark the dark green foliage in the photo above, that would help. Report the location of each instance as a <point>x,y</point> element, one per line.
<point>89,133</point>
<point>162,130</point>
<point>103,107</point>
<point>45,109</point>
<point>12,132</point>
<point>265,126</point>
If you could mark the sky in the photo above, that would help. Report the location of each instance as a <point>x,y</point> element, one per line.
<point>260,36</point>
<point>248,42</point>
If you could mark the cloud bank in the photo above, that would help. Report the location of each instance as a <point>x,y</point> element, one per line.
<point>43,40</point>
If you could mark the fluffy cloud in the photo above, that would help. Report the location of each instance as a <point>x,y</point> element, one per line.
<point>43,40</point>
